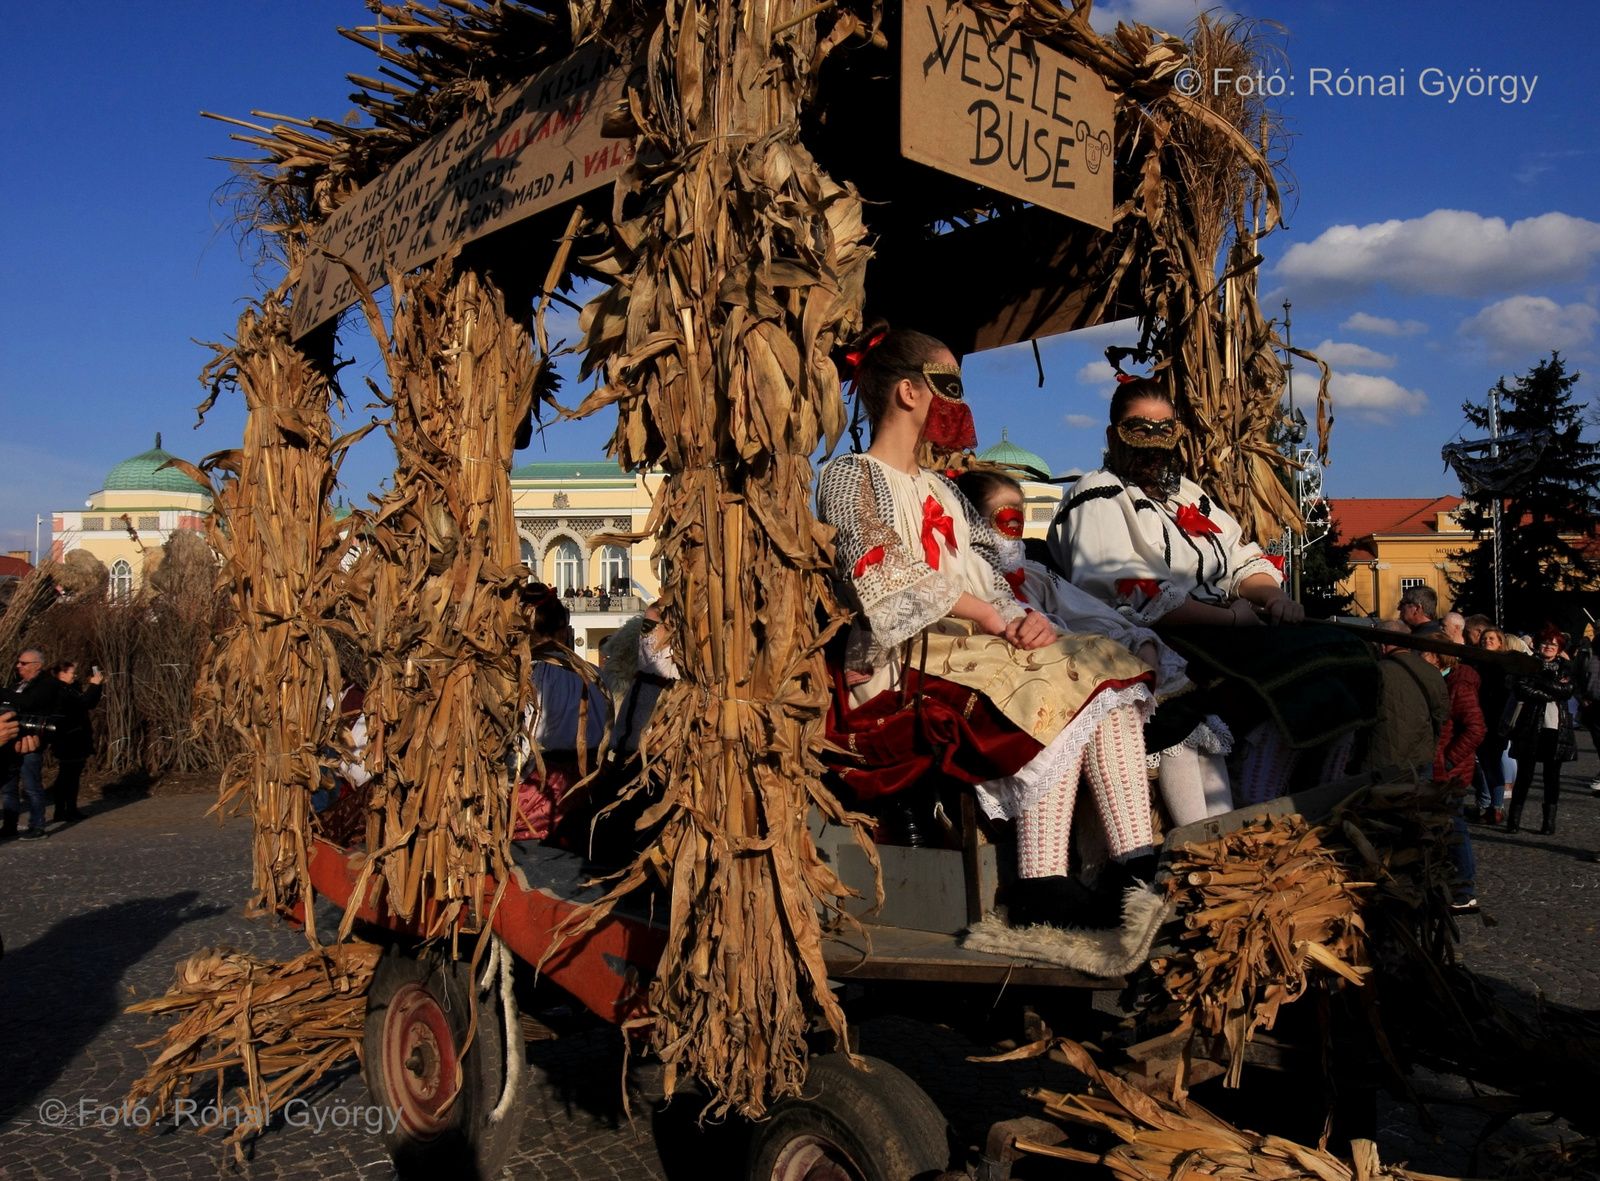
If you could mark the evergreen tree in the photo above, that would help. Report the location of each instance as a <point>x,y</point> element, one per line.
<point>1323,566</point>
<point>1557,498</point>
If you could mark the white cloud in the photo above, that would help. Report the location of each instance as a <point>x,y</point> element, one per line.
<point>1082,421</point>
<point>1447,252</point>
<point>1096,373</point>
<point>1383,325</point>
<point>1352,356</point>
<point>1372,398</point>
<point>1527,324</point>
<point>1170,16</point>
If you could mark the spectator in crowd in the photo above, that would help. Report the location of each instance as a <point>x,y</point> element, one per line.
<point>1495,770</point>
<point>1473,628</point>
<point>1419,610</point>
<point>1542,729</point>
<point>35,694</point>
<point>1454,763</point>
<point>1413,708</point>
<point>1586,677</point>
<point>1455,627</point>
<point>73,741</point>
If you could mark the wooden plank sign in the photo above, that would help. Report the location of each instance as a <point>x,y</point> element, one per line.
<point>1016,115</point>
<point>533,147</point>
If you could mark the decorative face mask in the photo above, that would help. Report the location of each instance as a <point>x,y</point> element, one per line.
<point>949,424</point>
<point>1007,520</point>
<point>1140,432</point>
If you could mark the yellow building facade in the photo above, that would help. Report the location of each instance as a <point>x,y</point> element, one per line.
<point>138,506</point>
<point>1399,543</point>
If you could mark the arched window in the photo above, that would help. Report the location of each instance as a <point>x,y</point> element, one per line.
<point>614,570</point>
<point>569,566</point>
<point>121,580</point>
<point>530,557</point>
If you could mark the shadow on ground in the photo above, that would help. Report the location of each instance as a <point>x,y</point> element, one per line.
<point>64,987</point>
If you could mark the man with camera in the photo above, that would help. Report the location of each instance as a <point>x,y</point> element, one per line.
<point>33,702</point>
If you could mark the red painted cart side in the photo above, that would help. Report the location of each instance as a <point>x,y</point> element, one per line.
<point>608,969</point>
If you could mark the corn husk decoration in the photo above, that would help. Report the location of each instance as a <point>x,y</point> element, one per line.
<point>284,1025</point>
<point>1167,1140</point>
<point>734,267</point>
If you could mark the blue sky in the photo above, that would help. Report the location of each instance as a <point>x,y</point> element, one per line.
<point>1433,245</point>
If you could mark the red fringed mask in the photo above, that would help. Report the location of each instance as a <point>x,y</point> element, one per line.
<point>1007,521</point>
<point>949,424</point>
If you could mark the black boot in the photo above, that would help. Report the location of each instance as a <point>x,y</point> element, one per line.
<point>1548,828</point>
<point>9,828</point>
<point>1059,901</point>
<point>1514,815</point>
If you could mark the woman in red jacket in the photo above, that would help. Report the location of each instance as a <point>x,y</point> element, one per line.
<point>1454,762</point>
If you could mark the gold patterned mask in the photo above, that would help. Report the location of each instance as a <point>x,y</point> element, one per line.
<point>1140,432</point>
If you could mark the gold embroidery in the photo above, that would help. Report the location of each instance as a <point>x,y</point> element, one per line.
<point>972,700</point>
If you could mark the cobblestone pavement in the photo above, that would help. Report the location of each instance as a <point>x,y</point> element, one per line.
<point>97,916</point>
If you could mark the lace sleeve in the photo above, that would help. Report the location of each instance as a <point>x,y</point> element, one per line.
<point>898,593</point>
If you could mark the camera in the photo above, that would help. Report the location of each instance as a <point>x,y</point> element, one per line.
<point>28,725</point>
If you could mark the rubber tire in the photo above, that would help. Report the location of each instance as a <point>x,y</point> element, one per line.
<point>883,1122</point>
<point>470,1146</point>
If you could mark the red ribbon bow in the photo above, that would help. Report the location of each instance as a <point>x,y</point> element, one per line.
<point>1194,522</point>
<point>1276,560</point>
<point>1126,587</point>
<point>1016,578</point>
<point>871,558</point>
<point>934,522</point>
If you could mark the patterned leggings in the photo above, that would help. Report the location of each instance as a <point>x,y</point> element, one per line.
<point>1114,760</point>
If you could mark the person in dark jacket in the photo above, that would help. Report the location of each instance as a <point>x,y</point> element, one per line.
<point>1455,763</point>
<point>1542,731</point>
<point>1413,708</point>
<point>73,742</point>
<point>1495,770</point>
<point>32,694</point>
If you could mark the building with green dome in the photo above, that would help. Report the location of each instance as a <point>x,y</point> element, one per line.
<point>1041,499</point>
<point>139,505</point>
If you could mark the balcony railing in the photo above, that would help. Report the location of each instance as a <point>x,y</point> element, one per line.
<point>614,604</point>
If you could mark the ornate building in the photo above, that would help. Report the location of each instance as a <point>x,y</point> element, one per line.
<point>559,507</point>
<point>139,505</point>
<point>1399,542</point>
<point>1041,499</point>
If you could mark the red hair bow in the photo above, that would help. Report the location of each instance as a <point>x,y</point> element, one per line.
<point>856,356</point>
<point>934,522</point>
<point>1125,378</point>
<point>1194,522</point>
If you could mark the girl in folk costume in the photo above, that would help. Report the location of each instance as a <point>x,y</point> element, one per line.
<point>1194,781</point>
<point>1146,540</point>
<point>946,671</point>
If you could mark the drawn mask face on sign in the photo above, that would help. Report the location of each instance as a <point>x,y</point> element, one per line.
<point>949,424</point>
<point>1096,146</point>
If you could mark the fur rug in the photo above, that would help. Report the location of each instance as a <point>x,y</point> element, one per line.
<point>1112,952</point>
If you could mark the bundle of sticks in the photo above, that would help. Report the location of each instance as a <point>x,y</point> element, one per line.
<point>1264,907</point>
<point>283,1025</point>
<point>1167,1139</point>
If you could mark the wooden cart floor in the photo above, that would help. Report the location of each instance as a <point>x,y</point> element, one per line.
<point>896,953</point>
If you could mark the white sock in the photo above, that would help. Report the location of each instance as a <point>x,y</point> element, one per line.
<point>1214,779</point>
<point>1183,788</point>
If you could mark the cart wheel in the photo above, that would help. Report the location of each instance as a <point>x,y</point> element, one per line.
<point>851,1125</point>
<point>417,1020</point>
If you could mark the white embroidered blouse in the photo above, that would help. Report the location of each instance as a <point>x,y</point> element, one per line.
<point>1145,556</point>
<point>906,547</point>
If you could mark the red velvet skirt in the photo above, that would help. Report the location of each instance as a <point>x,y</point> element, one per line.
<point>890,742</point>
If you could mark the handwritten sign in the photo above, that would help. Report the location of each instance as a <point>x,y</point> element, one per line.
<point>535,146</point>
<point>1016,115</point>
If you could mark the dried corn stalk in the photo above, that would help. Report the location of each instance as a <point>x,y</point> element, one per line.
<point>271,673</point>
<point>433,599</point>
<point>283,1025</point>
<point>1174,1139</point>
<point>1265,908</point>
<point>732,286</point>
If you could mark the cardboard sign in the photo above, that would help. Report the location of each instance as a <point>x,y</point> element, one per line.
<point>1017,116</point>
<point>535,146</point>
